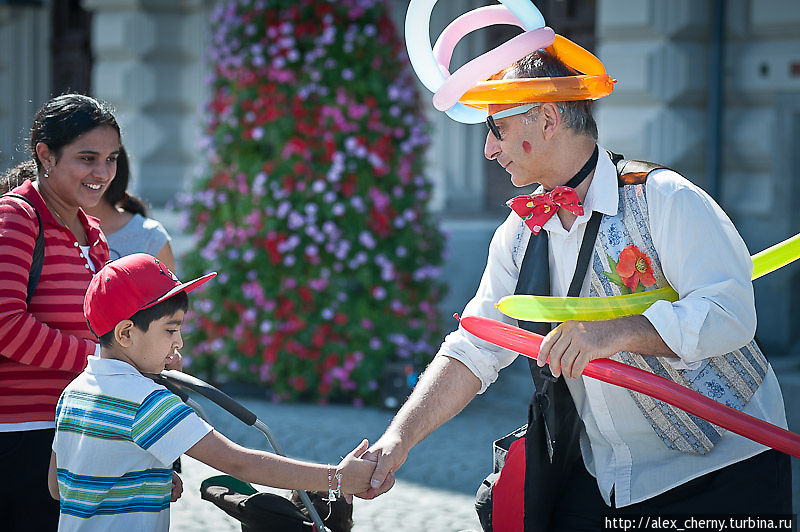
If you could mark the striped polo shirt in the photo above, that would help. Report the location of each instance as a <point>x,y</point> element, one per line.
<point>117,435</point>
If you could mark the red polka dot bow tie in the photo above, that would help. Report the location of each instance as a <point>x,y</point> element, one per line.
<point>536,210</point>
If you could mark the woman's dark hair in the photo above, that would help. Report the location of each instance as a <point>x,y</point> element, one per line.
<point>64,118</point>
<point>145,317</point>
<point>14,177</point>
<point>117,192</point>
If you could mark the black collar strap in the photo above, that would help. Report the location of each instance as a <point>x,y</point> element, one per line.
<point>590,165</point>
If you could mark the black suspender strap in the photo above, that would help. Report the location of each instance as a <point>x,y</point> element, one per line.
<point>585,254</point>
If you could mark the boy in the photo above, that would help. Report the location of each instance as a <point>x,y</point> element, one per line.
<point>117,432</point>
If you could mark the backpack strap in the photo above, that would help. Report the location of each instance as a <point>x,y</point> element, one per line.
<point>38,250</point>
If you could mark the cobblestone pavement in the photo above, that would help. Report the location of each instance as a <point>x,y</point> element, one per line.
<point>435,487</point>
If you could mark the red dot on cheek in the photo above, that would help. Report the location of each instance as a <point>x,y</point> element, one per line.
<point>526,146</point>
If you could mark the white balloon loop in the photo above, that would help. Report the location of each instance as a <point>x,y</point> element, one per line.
<point>424,61</point>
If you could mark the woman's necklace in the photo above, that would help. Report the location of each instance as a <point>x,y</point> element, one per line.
<point>84,255</point>
<point>63,223</point>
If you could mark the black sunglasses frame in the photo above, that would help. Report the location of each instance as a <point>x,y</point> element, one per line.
<point>493,127</point>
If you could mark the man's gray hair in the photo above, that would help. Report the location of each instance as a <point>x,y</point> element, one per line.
<point>576,114</point>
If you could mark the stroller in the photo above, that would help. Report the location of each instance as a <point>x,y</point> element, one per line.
<point>257,511</point>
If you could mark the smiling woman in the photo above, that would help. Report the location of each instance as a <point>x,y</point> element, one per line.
<point>44,339</point>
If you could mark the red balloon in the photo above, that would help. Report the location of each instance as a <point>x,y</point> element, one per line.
<point>527,343</point>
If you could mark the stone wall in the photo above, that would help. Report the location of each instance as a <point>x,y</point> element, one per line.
<point>24,77</point>
<point>148,61</point>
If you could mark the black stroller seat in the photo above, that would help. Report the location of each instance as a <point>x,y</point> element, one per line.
<point>269,512</point>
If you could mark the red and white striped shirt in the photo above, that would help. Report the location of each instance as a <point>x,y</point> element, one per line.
<point>45,344</point>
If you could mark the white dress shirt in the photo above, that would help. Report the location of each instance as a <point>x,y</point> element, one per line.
<point>706,262</point>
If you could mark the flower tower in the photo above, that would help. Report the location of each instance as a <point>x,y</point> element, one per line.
<point>313,205</point>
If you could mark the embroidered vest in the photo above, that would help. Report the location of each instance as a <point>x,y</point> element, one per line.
<point>730,379</point>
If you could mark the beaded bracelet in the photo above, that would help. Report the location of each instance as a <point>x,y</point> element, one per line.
<point>334,494</point>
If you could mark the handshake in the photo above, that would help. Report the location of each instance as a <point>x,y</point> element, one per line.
<point>365,472</point>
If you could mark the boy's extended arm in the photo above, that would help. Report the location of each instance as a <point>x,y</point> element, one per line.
<point>52,477</point>
<point>269,469</point>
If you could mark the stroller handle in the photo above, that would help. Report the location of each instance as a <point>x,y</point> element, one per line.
<point>175,381</point>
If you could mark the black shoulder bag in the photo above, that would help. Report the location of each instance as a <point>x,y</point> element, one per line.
<point>38,250</point>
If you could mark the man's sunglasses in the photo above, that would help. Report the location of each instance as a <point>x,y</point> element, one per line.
<point>518,110</point>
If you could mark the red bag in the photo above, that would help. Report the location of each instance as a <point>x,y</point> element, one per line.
<point>508,491</point>
<point>500,500</point>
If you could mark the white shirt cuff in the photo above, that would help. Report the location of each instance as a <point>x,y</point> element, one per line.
<point>681,333</point>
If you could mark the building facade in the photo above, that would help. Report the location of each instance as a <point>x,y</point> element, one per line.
<point>710,88</point>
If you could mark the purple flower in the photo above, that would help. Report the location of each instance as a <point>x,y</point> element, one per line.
<point>258,184</point>
<point>357,203</point>
<point>205,305</point>
<point>366,240</point>
<point>295,221</point>
<point>283,209</point>
<point>379,293</point>
<point>329,228</point>
<point>317,284</point>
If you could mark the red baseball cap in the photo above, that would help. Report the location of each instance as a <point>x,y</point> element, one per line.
<point>127,285</point>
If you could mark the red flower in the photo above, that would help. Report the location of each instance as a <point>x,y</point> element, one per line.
<point>634,266</point>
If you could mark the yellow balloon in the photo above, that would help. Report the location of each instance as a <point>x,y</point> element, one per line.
<point>549,308</point>
<point>556,309</point>
<point>776,256</point>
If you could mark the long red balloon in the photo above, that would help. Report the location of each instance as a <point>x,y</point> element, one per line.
<point>527,343</point>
